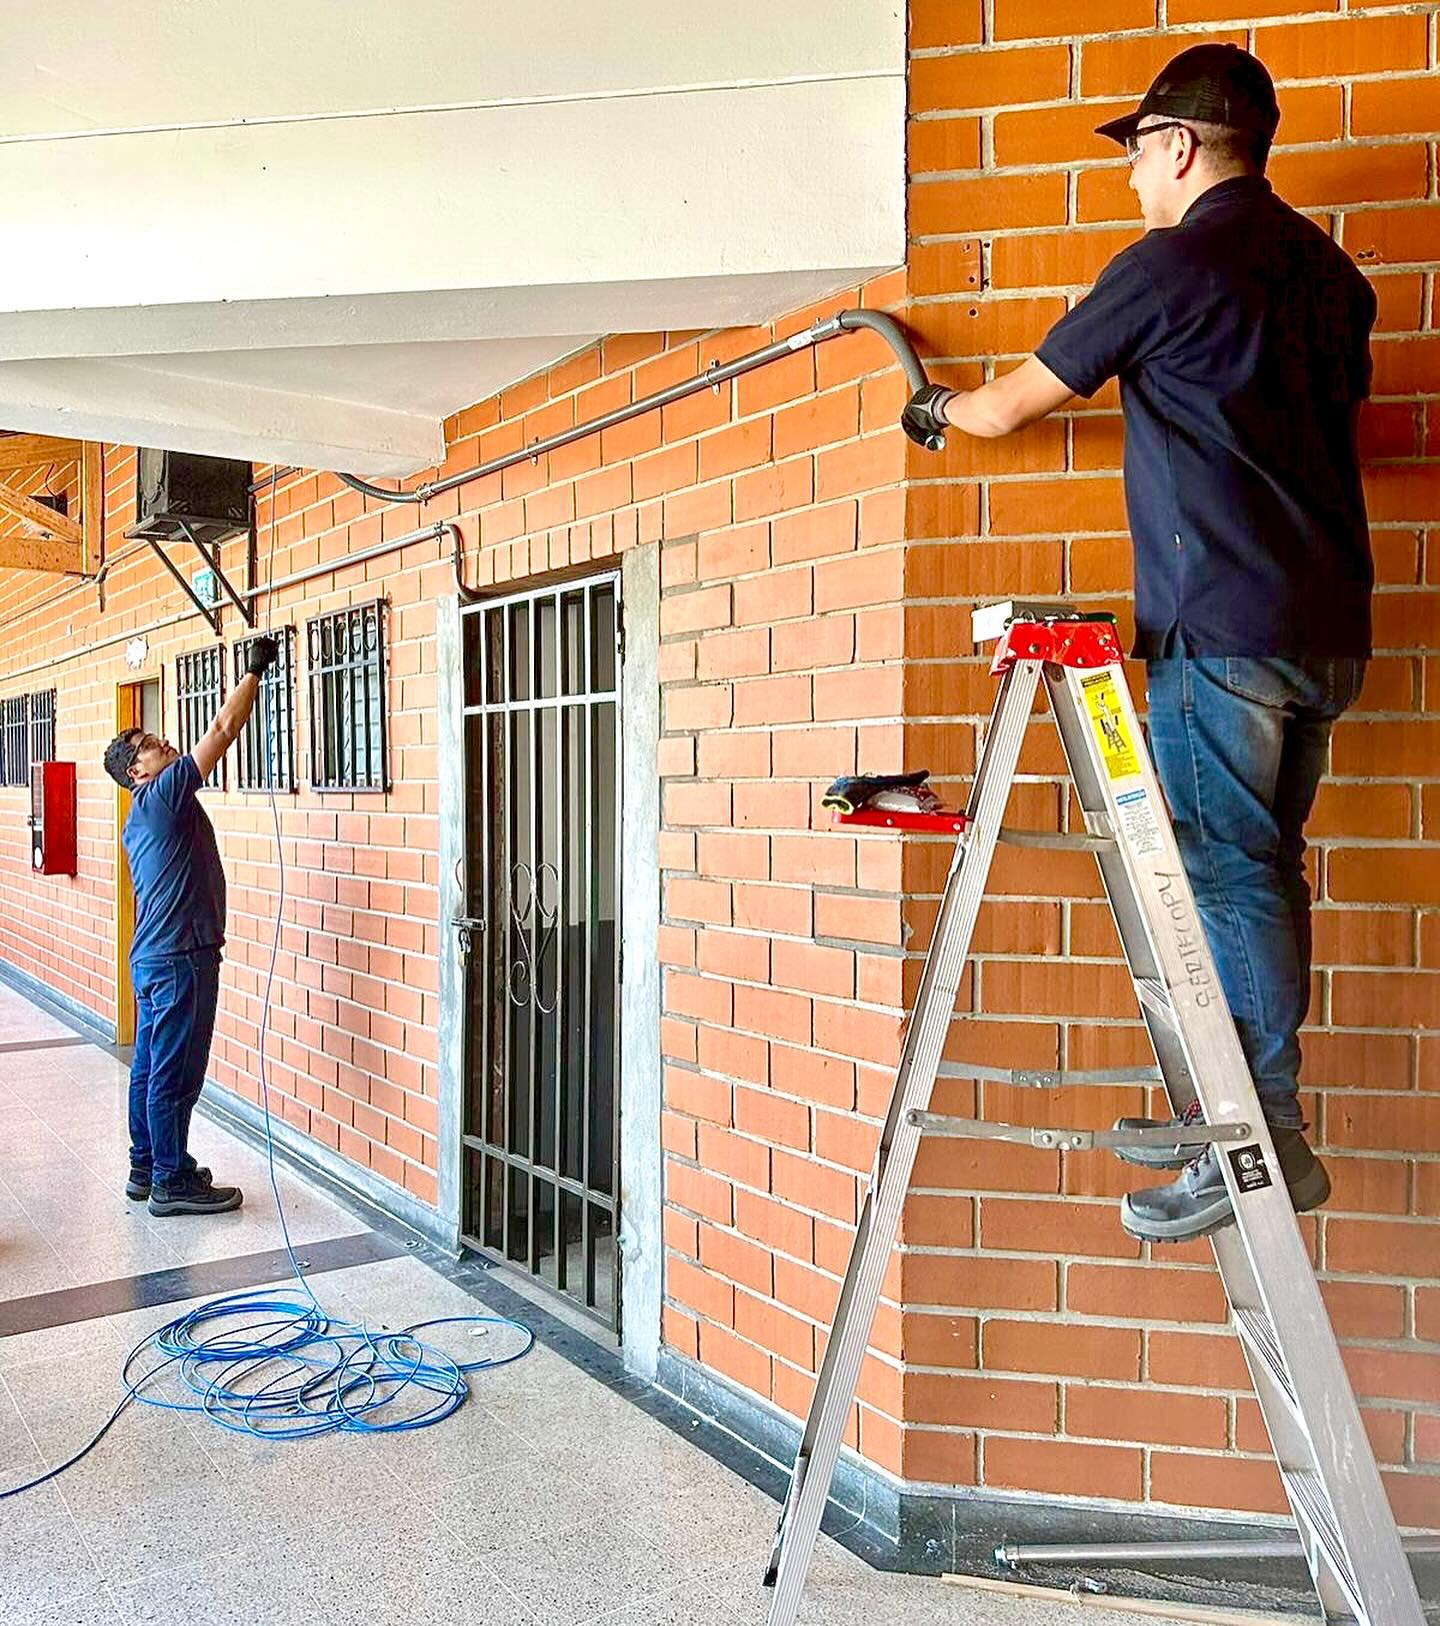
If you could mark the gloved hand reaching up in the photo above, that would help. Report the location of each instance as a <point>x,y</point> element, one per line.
<point>264,652</point>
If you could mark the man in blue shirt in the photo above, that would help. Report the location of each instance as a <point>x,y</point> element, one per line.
<point>1239,333</point>
<point>175,952</point>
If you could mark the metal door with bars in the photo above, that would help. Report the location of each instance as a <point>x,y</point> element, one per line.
<point>540,938</point>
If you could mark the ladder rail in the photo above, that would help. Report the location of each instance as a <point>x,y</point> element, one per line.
<point>924,1043</point>
<point>1159,923</point>
<point>1342,1515</point>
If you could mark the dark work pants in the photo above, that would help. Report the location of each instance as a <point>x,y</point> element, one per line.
<point>176,1000</point>
<point>1240,744</point>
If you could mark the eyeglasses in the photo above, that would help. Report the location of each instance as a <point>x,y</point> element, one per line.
<point>1132,142</point>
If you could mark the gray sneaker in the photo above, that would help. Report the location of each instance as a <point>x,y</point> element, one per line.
<point>1198,1203</point>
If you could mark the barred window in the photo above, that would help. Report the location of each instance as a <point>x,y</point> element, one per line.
<point>346,654</point>
<point>15,740</point>
<point>199,691</point>
<point>42,726</point>
<point>267,745</point>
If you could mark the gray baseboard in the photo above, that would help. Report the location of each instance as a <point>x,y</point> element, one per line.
<point>332,1173</point>
<point>858,1490</point>
<point>932,1531</point>
<point>61,1006</point>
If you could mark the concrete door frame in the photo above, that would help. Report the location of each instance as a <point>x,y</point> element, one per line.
<point>641,1194</point>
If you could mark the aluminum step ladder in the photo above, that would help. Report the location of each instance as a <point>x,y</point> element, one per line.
<point>1347,1532</point>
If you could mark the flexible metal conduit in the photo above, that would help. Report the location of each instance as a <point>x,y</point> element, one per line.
<point>829,327</point>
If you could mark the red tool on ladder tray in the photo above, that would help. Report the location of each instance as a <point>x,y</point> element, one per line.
<point>1347,1533</point>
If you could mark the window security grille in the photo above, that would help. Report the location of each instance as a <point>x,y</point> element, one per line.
<point>199,691</point>
<point>15,740</point>
<point>42,726</point>
<point>266,752</point>
<point>346,655</point>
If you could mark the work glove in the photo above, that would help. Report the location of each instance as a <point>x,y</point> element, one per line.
<point>924,416</point>
<point>264,652</point>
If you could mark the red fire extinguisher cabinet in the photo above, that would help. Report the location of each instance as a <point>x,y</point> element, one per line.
<point>52,818</point>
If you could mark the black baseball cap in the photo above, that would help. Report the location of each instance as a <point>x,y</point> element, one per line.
<point>1216,84</point>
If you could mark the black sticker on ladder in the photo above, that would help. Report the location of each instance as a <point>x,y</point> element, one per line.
<point>1248,1163</point>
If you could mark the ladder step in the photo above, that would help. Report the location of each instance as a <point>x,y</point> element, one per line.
<point>1076,1140</point>
<point>1308,1498</point>
<point>1048,1078</point>
<point>1055,841</point>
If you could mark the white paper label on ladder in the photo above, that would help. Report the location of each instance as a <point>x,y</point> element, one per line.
<point>1137,818</point>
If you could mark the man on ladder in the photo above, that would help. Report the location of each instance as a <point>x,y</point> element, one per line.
<point>1239,333</point>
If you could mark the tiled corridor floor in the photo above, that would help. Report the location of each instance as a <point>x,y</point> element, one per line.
<point>547,1499</point>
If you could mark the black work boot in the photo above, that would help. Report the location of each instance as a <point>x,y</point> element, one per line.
<point>1159,1157</point>
<point>194,1194</point>
<point>137,1187</point>
<point>1198,1203</point>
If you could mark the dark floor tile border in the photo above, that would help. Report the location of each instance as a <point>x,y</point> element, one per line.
<point>71,1304</point>
<point>16,1045</point>
<point>923,1533</point>
<point>911,1532</point>
<point>86,1023</point>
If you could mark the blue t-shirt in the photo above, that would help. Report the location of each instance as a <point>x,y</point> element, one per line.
<point>1241,339</point>
<point>175,865</point>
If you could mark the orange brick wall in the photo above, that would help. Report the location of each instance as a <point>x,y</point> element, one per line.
<point>816,576</point>
<point>1029,1316</point>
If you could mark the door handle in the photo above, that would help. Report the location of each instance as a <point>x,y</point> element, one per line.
<point>467,926</point>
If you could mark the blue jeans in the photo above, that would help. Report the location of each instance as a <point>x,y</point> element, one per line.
<point>176,997</point>
<point>1240,745</point>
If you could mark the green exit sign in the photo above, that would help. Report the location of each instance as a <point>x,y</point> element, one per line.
<point>207,589</point>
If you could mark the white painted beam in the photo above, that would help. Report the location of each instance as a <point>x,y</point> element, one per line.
<point>146,406</point>
<point>433,316</point>
<point>730,183</point>
<point>391,214</point>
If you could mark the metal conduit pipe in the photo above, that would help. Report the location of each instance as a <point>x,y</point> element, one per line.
<point>426,533</point>
<point>81,584</point>
<point>829,327</point>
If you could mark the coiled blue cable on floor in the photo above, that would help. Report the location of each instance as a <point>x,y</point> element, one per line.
<point>278,1367</point>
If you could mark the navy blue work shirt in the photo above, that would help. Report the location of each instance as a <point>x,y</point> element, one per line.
<point>175,865</point>
<point>1241,339</point>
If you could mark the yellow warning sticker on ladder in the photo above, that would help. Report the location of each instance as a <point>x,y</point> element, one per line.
<point>1117,749</point>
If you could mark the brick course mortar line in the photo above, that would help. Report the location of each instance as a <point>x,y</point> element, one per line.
<point>701,477</point>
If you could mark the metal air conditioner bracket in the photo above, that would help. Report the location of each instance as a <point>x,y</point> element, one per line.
<point>211,612</point>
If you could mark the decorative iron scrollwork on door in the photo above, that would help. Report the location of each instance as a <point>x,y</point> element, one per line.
<point>529,905</point>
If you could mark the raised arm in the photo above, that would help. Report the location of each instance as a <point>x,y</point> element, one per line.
<point>233,715</point>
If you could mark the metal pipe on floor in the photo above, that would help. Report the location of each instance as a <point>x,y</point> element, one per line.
<point>1141,1552</point>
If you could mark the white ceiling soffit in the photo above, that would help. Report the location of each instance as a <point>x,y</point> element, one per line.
<point>308,233</point>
